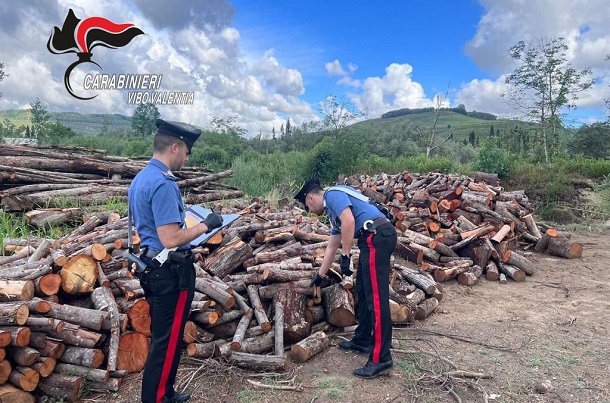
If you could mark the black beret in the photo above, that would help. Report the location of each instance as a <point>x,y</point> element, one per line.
<point>307,187</point>
<point>189,137</point>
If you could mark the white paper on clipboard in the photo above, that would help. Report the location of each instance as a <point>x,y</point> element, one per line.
<point>196,214</point>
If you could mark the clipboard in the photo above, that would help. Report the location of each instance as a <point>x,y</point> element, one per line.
<point>196,214</point>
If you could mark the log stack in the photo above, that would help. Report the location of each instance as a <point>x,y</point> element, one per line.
<point>72,311</point>
<point>39,180</point>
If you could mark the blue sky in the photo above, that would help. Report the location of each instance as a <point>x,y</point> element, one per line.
<point>261,62</point>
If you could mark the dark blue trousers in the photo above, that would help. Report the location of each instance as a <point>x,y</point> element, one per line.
<point>372,289</point>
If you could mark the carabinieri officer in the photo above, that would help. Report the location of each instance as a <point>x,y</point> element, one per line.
<point>158,213</point>
<point>350,218</point>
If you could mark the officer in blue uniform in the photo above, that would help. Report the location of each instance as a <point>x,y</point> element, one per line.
<point>158,213</point>
<point>352,218</point>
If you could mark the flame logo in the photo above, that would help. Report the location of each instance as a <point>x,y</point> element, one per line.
<point>81,36</point>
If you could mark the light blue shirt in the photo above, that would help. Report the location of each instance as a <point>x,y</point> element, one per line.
<point>335,201</point>
<point>155,200</point>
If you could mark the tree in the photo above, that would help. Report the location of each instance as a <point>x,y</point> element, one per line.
<point>434,140</point>
<point>337,113</point>
<point>592,141</point>
<point>39,112</point>
<point>3,75</point>
<point>143,121</point>
<point>544,85</point>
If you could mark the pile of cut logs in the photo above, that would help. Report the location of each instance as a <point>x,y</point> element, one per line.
<point>73,312</point>
<point>48,178</point>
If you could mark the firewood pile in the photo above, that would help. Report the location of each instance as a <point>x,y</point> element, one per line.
<point>45,179</point>
<point>73,312</point>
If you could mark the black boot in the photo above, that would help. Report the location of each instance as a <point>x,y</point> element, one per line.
<point>351,346</point>
<point>177,398</point>
<point>372,370</point>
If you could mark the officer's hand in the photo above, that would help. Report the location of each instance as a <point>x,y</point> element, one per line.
<point>316,280</point>
<point>213,221</point>
<point>345,264</point>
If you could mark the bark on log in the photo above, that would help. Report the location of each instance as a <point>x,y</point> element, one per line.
<point>257,306</point>
<point>88,357</point>
<point>515,259</point>
<point>471,276</point>
<point>278,309</point>
<point>13,313</point>
<point>25,377</point>
<point>426,308</point>
<point>194,333</point>
<point>20,336</point>
<point>310,346</point>
<point>79,275</point>
<point>563,247</point>
<point>62,386</point>
<point>133,352</point>
<point>24,356</point>
<point>530,223</point>
<point>512,271</point>
<point>339,306</point>
<point>240,332</point>
<point>11,394</point>
<point>97,375</point>
<point>45,366</point>
<point>16,290</point>
<point>296,327</point>
<point>228,258</point>
<point>47,347</point>
<point>89,318</point>
<point>258,362</point>
<point>491,272</point>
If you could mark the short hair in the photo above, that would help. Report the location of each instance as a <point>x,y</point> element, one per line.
<point>163,141</point>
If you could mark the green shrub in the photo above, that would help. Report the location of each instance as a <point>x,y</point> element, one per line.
<point>492,159</point>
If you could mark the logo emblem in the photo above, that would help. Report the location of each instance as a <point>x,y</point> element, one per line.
<point>81,36</point>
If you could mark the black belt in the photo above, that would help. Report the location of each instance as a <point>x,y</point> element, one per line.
<point>150,253</point>
<point>372,225</point>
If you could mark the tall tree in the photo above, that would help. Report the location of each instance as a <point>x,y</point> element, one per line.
<point>544,85</point>
<point>337,113</point>
<point>143,120</point>
<point>3,75</point>
<point>39,112</point>
<point>434,139</point>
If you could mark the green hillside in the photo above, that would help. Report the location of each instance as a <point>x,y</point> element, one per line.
<point>82,123</point>
<point>449,122</point>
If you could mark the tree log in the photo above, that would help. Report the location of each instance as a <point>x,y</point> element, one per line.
<point>515,259</point>
<point>512,271</point>
<point>310,346</point>
<point>11,394</point>
<point>47,284</point>
<point>5,371</point>
<point>194,333</point>
<point>23,356</point>
<point>16,290</point>
<point>97,375</point>
<point>339,306</point>
<point>13,313</point>
<point>79,275</point>
<point>62,386</point>
<point>296,327</point>
<point>471,276</point>
<point>491,271</point>
<point>258,362</point>
<point>259,312</point>
<point>89,318</point>
<point>25,377</point>
<point>426,308</point>
<point>45,366</point>
<point>133,352</point>
<point>278,309</point>
<point>88,357</point>
<point>563,247</point>
<point>228,258</point>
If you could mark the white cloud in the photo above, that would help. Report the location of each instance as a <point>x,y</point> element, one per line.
<point>484,96</point>
<point>334,68</point>
<point>395,90</point>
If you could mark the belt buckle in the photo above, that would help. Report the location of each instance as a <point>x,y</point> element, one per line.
<point>368,224</point>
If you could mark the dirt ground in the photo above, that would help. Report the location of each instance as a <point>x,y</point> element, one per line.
<point>543,340</point>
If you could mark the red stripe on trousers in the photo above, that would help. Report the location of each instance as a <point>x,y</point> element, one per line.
<point>172,345</point>
<point>376,305</point>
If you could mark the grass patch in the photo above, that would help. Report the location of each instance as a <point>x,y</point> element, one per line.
<point>246,396</point>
